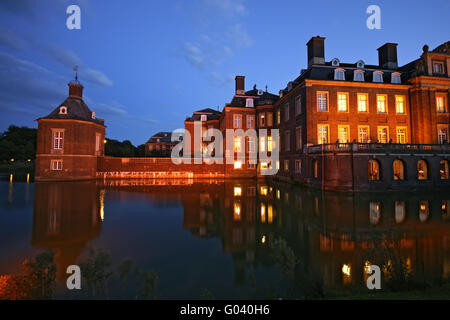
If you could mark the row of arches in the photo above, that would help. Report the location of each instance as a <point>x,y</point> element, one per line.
<point>399,170</point>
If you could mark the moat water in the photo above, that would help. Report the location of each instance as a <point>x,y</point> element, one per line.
<point>236,239</point>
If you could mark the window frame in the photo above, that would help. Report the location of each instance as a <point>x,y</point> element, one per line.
<point>387,134</point>
<point>298,105</point>
<point>406,134</point>
<point>444,102</point>
<point>56,161</point>
<point>60,145</point>
<point>235,117</point>
<point>250,117</point>
<point>327,101</point>
<point>367,101</point>
<point>404,104</point>
<point>385,103</point>
<point>286,112</point>
<point>318,133</point>
<point>298,138</point>
<point>346,102</point>
<point>287,140</point>
<point>337,72</point>
<point>368,133</point>
<point>378,73</point>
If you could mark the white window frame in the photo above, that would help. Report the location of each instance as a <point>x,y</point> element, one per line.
<point>58,139</point>
<point>56,165</point>
<point>339,74</point>
<point>377,76</point>
<point>298,105</point>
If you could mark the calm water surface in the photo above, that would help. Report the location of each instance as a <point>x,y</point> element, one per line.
<point>224,236</point>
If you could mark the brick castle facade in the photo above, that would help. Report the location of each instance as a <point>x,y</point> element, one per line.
<point>342,126</point>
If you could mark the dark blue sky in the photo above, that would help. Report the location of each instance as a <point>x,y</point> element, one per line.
<point>146,65</point>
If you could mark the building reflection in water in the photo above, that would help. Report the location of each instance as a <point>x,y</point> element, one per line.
<point>67,216</point>
<point>334,234</point>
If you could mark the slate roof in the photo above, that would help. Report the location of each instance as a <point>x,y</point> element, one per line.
<point>260,98</point>
<point>76,110</point>
<point>163,136</point>
<point>211,114</point>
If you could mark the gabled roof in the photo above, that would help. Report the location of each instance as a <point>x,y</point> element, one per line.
<point>163,137</point>
<point>260,98</point>
<point>210,114</point>
<point>76,110</point>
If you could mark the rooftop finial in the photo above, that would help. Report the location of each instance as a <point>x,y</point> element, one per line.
<point>76,72</point>
<point>266,87</point>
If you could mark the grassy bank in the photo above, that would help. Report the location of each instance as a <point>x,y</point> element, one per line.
<point>16,167</point>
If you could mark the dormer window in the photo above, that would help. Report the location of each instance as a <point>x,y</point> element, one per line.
<point>249,103</point>
<point>203,117</point>
<point>378,76</point>
<point>396,77</point>
<point>358,75</point>
<point>438,67</point>
<point>63,110</point>
<point>339,74</point>
<point>93,115</point>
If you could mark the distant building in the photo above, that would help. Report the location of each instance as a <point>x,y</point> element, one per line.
<point>160,144</point>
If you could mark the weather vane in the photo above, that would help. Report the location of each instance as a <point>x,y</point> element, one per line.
<point>76,72</point>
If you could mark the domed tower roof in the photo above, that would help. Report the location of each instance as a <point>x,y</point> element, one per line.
<point>74,107</point>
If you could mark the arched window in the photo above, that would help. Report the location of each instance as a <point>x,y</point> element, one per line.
<point>422,170</point>
<point>444,169</point>
<point>63,110</point>
<point>399,170</point>
<point>374,170</point>
<point>316,168</point>
<point>374,212</point>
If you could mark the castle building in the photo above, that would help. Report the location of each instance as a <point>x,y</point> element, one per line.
<point>70,140</point>
<point>160,144</point>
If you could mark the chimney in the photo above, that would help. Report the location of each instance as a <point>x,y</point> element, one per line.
<point>240,85</point>
<point>75,90</point>
<point>316,51</point>
<point>387,56</point>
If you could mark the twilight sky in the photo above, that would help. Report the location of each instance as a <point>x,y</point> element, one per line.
<point>146,65</point>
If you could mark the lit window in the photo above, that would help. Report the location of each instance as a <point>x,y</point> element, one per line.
<point>344,133</point>
<point>237,191</point>
<point>287,140</point>
<point>442,135</point>
<point>339,74</point>
<point>262,144</point>
<point>422,170</point>
<point>342,102</point>
<point>358,75</point>
<point>424,211</point>
<point>237,211</point>
<point>374,170</point>
<point>286,112</point>
<point>56,165</point>
<point>249,103</point>
<point>203,117</point>
<point>278,117</point>
<point>316,168</point>
<point>298,136</point>
<point>362,102</point>
<point>399,170</point>
<point>93,115</point>
<point>401,134</point>
<point>322,101</point>
<point>381,104</point>
<point>298,105</point>
<point>383,134</point>
<point>438,67</point>
<point>378,76</point>
<point>396,77</point>
<point>323,135</point>
<point>98,138</point>
<point>237,165</point>
<point>440,103</point>
<point>58,137</point>
<point>269,144</point>
<point>237,121</point>
<point>250,122</point>
<point>237,144</point>
<point>400,104</point>
<point>363,134</point>
<point>286,165</point>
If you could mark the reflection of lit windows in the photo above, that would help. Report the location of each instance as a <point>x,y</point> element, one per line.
<point>423,211</point>
<point>400,211</point>
<point>263,239</point>
<point>263,191</point>
<point>346,273</point>
<point>445,209</point>
<point>326,243</point>
<point>374,170</point>
<point>269,144</point>
<point>263,213</point>
<point>422,170</point>
<point>237,211</point>
<point>237,144</point>
<point>237,191</point>
<point>444,169</point>
<point>399,170</point>
<point>237,165</point>
<point>262,144</point>
<point>375,212</point>
<point>269,214</point>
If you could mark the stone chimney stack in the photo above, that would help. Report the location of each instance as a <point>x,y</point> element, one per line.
<point>316,51</point>
<point>387,56</point>
<point>240,85</point>
<point>75,90</point>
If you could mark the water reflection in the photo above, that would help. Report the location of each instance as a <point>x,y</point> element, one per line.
<point>333,234</point>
